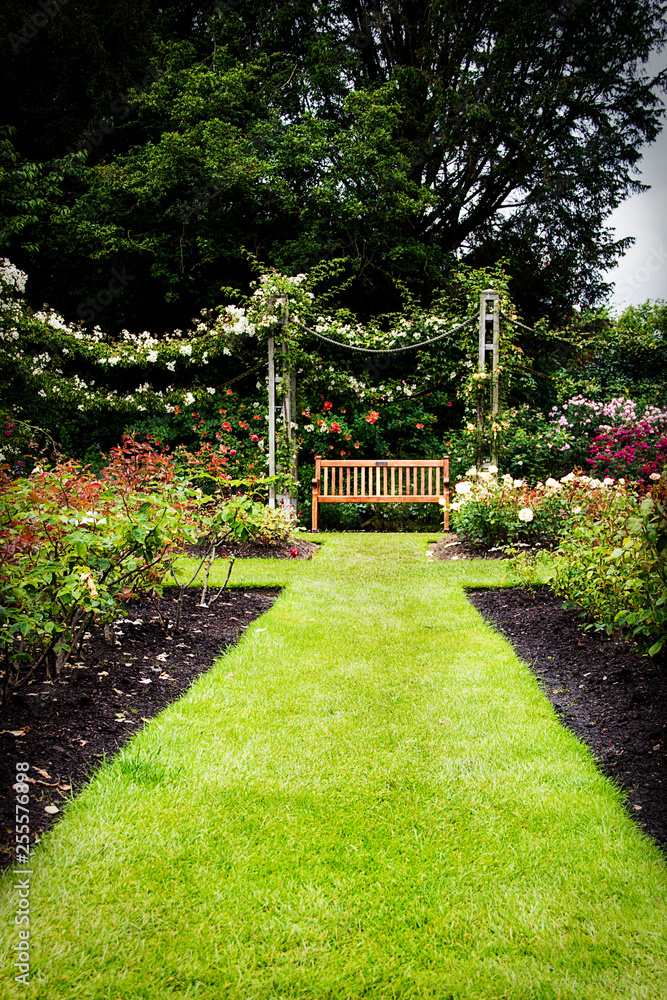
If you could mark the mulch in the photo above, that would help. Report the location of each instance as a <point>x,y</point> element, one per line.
<point>296,548</point>
<point>453,547</point>
<point>65,728</point>
<point>614,699</point>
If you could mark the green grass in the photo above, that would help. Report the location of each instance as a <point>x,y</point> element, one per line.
<point>367,797</point>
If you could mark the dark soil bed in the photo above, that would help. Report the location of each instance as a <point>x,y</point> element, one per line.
<point>451,546</point>
<point>297,548</point>
<point>612,698</point>
<point>63,729</point>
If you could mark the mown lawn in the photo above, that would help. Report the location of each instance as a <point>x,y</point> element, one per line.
<point>367,797</point>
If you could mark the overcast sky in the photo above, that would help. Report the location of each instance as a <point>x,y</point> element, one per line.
<point>642,272</point>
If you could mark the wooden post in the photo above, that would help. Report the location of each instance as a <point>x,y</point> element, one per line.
<point>488,316</point>
<point>445,492</point>
<point>272,417</point>
<point>495,387</point>
<point>316,493</point>
<point>288,385</point>
<point>294,470</point>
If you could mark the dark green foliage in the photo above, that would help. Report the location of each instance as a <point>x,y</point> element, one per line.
<point>400,138</point>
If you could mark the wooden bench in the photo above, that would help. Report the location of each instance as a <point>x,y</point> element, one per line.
<point>365,481</point>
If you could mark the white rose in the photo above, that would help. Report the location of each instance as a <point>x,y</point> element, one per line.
<point>526,514</point>
<point>463,488</point>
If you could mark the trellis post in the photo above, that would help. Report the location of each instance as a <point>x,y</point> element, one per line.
<point>288,387</point>
<point>287,409</point>
<point>489,324</point>
<point>272,417</point>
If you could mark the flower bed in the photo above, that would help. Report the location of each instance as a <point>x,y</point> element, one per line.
<point>75,547</point>
<point>491,511</point>
<point>610,541</point>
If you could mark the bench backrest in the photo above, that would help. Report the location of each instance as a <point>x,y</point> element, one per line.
<point>391,481</point>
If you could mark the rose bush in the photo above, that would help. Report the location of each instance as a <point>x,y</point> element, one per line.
<point>613,565</point>
<point>73,550</point>
<point>490,511</point>
<point>76,547</point>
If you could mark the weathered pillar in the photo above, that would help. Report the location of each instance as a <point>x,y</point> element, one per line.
<point>488,357</point>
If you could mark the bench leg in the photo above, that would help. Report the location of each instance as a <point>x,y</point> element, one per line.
<point>315,514</point>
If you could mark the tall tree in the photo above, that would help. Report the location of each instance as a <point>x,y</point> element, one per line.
<point>403,135</point>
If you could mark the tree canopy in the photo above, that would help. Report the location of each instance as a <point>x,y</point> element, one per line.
<point>404,137</point>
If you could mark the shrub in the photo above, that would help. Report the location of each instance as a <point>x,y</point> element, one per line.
<point>73,550</point>
<point>487,511</point>
<point>618,438</point>
<point>613,565</point>
<point>637,450</point>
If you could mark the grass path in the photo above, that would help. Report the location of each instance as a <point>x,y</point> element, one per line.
<point>367,797</point>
